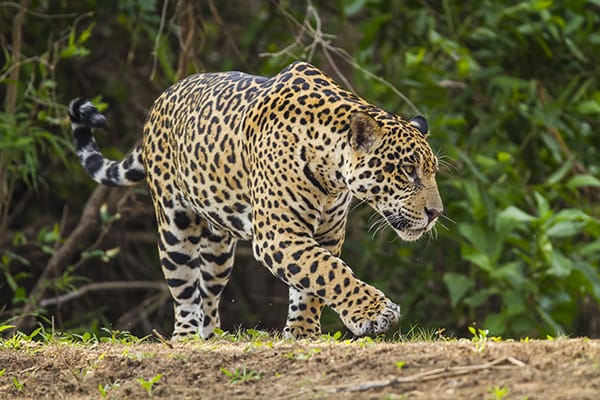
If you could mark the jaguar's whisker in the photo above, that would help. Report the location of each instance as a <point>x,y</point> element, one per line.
<point>447,218</point>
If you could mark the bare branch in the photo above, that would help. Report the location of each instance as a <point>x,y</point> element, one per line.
<point>187,32</point>
<point>163,17</point>
<point>225,31</point>
<point>17,31</point>
<point>102,286</point>
<point>322,41</point>
<point>24,8</point>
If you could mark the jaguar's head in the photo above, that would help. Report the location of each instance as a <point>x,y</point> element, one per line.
<point>392,168</point>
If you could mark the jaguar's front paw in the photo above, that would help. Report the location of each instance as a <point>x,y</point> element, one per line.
<point>377,317</point>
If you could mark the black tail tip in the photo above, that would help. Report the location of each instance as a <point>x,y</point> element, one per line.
<point>82,111</point>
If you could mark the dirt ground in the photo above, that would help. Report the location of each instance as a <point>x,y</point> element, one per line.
<point>456,369</point>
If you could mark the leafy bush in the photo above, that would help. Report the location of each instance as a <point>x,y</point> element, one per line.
<point>512,95</point>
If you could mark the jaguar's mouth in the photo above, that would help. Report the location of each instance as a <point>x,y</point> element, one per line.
<point>398,221</point>
<point>403,226</point>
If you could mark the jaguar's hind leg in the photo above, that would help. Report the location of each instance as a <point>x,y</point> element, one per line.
<point>196,262</point>
<point>217,251</point>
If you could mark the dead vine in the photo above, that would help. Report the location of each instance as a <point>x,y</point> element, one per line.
<point>311,38</point>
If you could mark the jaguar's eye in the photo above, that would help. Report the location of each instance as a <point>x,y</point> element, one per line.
<point>410,171</point>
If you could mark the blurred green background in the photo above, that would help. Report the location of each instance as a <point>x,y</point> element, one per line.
<point>510,89</point>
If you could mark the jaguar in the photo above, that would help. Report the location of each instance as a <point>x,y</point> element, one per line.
<point>230,156</point>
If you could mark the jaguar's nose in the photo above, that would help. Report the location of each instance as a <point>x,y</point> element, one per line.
<point>433,213</point>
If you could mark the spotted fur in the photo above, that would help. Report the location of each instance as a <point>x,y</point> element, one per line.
<point>230,156</point>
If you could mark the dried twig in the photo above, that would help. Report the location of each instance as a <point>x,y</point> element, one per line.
<point>187,31</point>
<point>163,17</point>
<point>24,9</point>
<point>226,32</point>
<point>17,31</point>
<point>436,373</point>
<point>161,338</point>
<point>322,41</point>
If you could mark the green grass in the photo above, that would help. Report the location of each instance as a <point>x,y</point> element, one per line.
<point>41,335</point>
<point>240,375</point>
<point>253,338</point>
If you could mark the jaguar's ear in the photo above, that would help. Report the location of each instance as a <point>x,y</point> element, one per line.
<point>421,124</point>
<point>364,131</point>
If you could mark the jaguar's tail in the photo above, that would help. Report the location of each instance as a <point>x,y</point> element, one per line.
<point>130,170</point>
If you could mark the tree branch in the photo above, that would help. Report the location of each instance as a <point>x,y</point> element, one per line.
<point>163,17</point>
<point>100,286</point>
<point>323,41</point>
<point>88,222</point>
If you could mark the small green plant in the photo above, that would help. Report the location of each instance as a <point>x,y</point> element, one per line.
<point>258,339</point>
<point>367,341</point>
<point>18,385</point>
<point>480,338</point>
<point>301,354</point>
<point>254,334</point>
<point>103,389</point>
<point>122,337</point>
<point>149,384</point>
<point>85,338</point>
<point>400,365</point>
<point>335,337</point>
<point>137,355</point>
<point>19,339</point>
<point>240,374</point>
<point>246,335</point>
<point>257,344</point>
<point>2,372</point>
<point>417,333</point>
<point>220,334</point>
<point>499,392</point>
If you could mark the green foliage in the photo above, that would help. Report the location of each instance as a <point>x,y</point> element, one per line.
<point>400,365</point>
<point>17,384</point>
<point>419,333</point>
<point>20,340</point>
<point>240,375</point>
<point>148,385</point>
<point>498,392</point>
<point>32,114</point>
<point>332,337</point>
<point>511,93</point>
<point>480,338</point>
<point>104,389</point>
